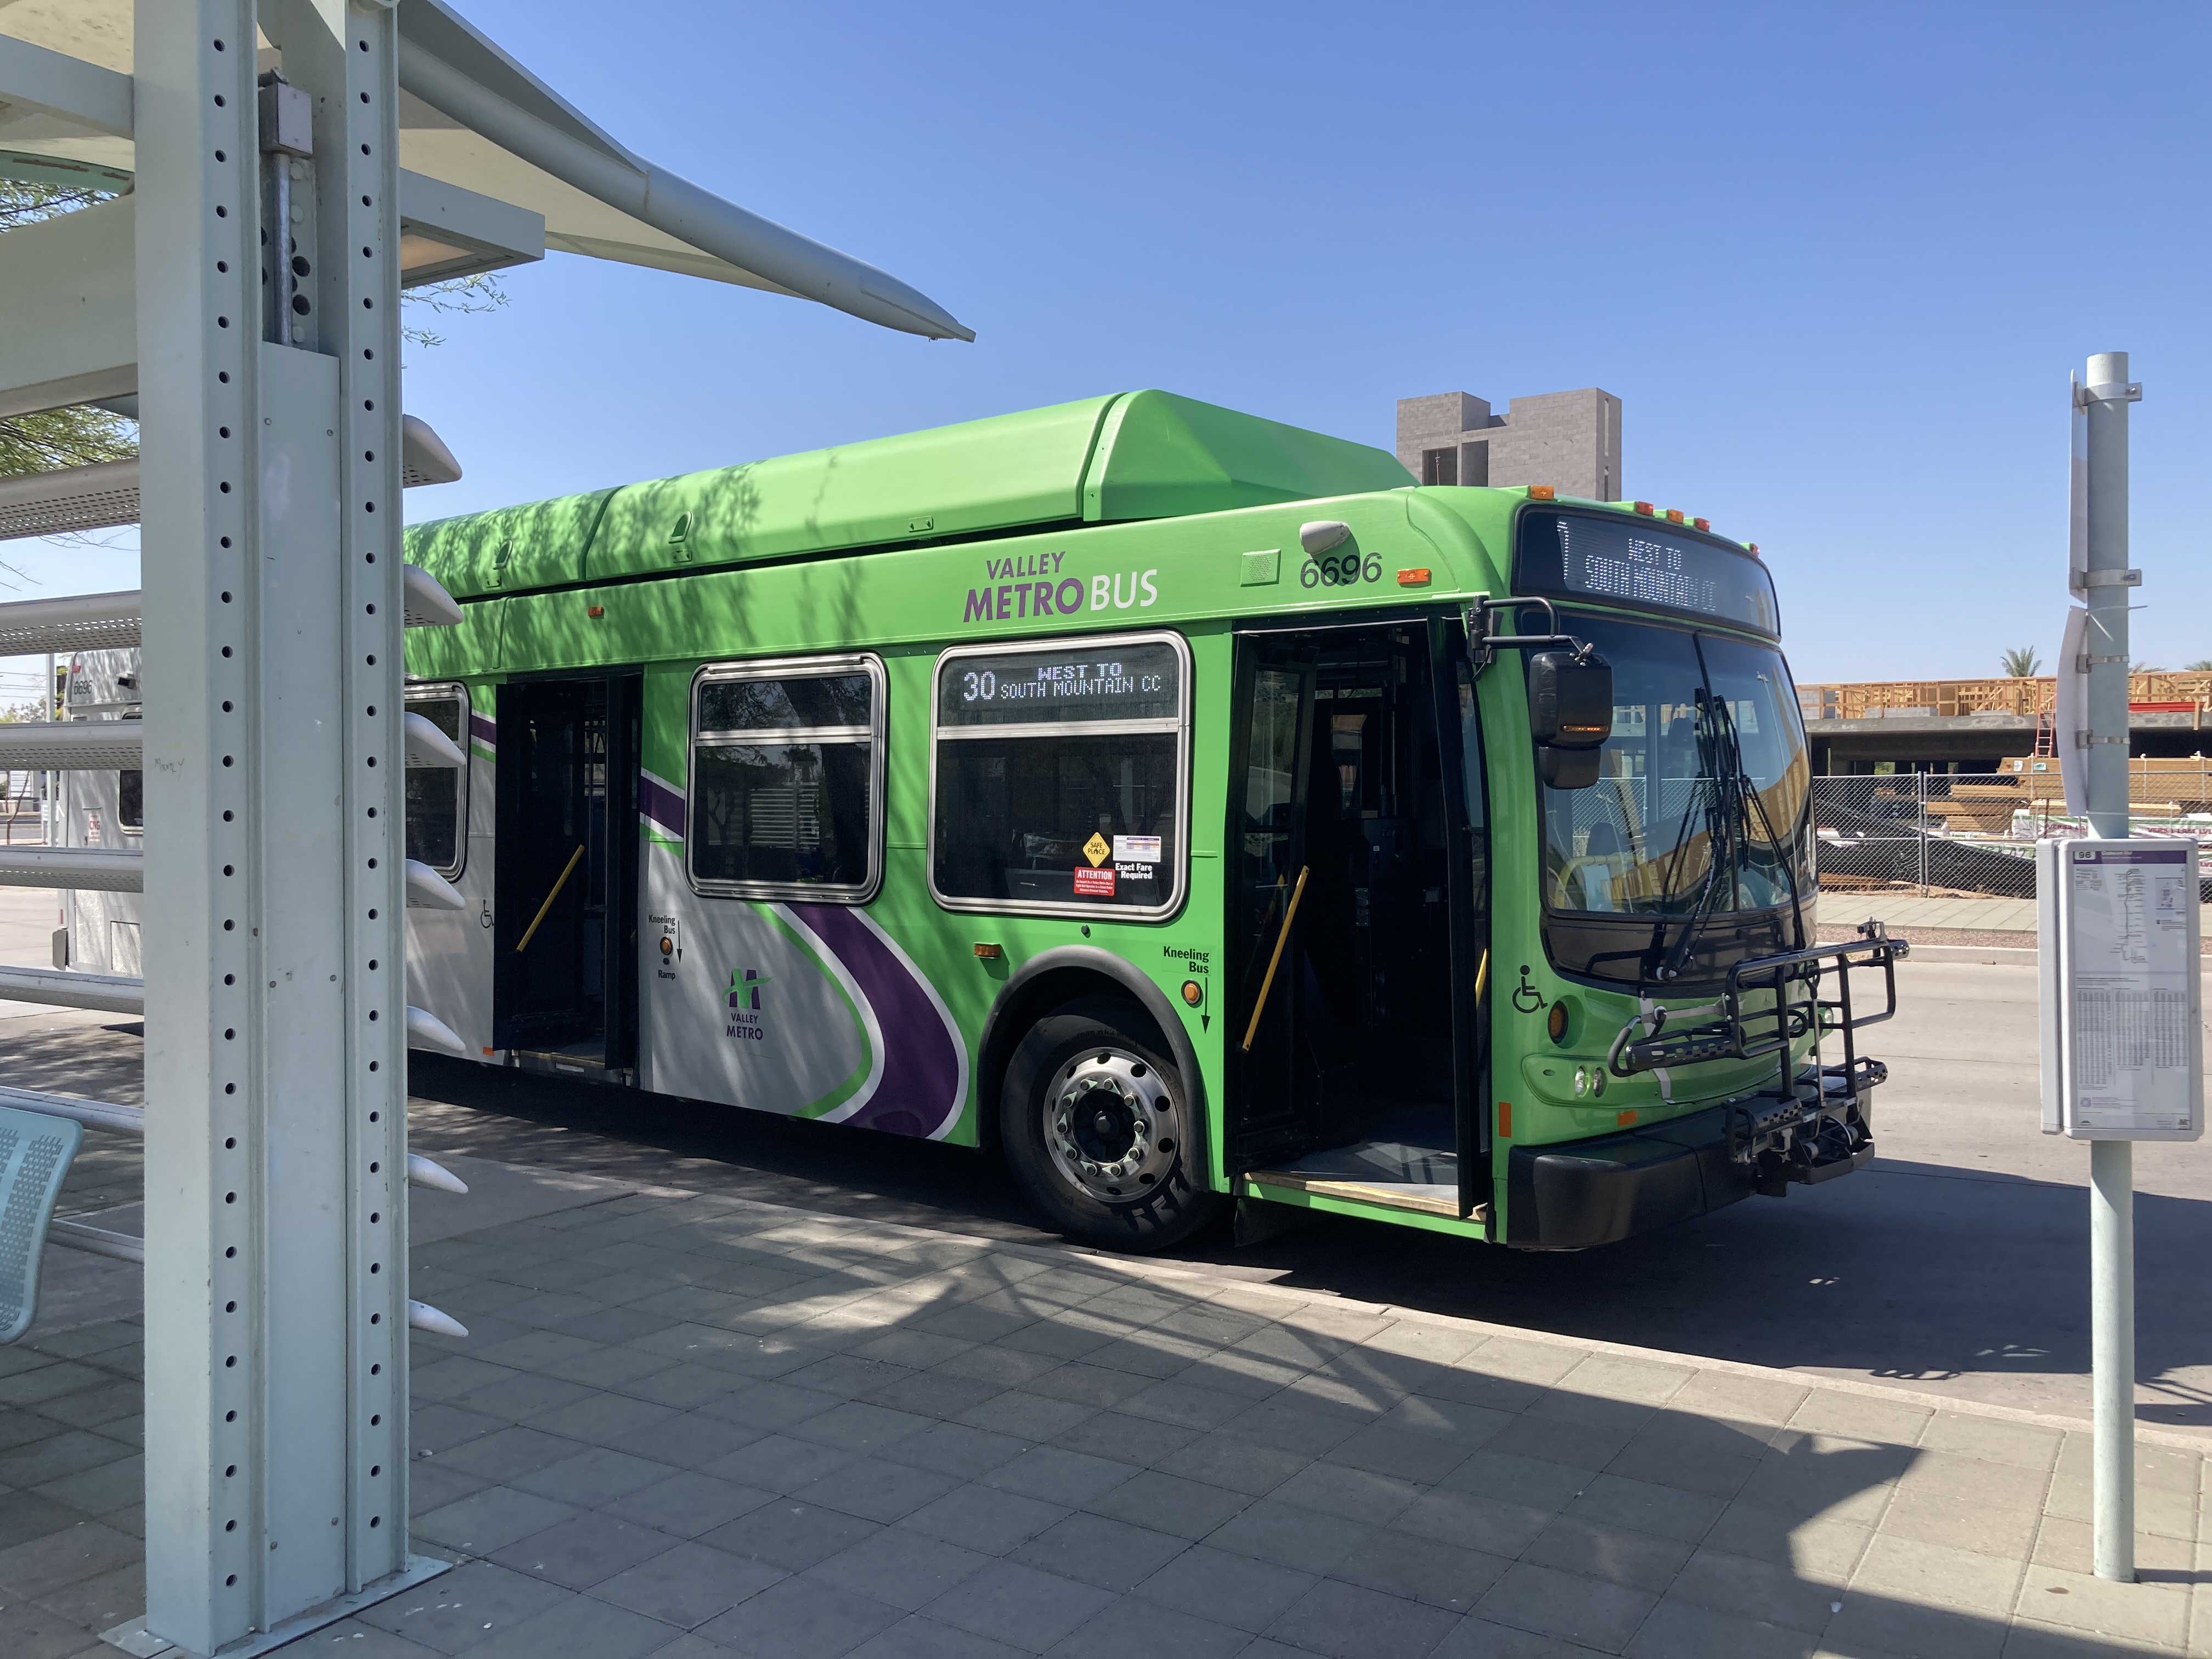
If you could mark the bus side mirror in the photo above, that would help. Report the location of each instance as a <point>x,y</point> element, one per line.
<point>1569,715</point>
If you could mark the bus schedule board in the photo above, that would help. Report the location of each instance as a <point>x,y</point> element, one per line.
<point>1645,564</point>
<point>2119,928</point>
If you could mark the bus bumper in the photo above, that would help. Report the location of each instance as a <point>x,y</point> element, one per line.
<point>1572,1194</point>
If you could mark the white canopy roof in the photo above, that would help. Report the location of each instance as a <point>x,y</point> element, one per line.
<point>472,117</point>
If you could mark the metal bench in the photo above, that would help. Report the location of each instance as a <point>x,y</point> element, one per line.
<point>36,1151</point>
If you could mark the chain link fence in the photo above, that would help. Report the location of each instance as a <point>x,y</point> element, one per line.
<point>1973,835</point>
<point>1929,832</point>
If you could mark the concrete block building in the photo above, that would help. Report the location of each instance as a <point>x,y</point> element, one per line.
<point>1568,439</point>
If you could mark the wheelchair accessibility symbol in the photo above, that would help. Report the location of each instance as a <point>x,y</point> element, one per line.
<point>1526,997</point>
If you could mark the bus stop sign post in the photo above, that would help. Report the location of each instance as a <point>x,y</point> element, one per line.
<point>2120,930</point>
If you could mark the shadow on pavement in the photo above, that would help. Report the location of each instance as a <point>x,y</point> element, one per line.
<point>1909,1272</point>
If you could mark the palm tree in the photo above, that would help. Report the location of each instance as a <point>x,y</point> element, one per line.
<point>2021,663</point>
<point>2202,666</point>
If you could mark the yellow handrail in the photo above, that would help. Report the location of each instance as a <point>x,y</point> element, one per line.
<point>531,932</point>
<point>1282,938</point>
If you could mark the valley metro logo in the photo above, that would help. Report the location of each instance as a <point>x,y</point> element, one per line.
<point>745,1022</point>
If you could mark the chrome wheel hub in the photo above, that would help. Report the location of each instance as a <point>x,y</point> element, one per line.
<point>1111,1126</point>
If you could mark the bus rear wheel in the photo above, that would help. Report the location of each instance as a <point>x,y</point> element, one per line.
<point>1094,1124</point>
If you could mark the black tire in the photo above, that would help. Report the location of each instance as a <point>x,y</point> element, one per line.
<point>1114,1057</point>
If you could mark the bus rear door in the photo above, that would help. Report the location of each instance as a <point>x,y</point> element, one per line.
<point>565,957</point>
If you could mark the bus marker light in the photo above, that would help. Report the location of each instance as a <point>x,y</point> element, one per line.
<point>1556,1022</point>
<point>1418,576</point>
<point>1703,524</point>
<point>1645,508</point>
<point>1754,546</point>
<point>1674,515</point>
<point>990,953</point>
<point>1192,992</point>
<point>1505,1120</point>
<point>1542,493</point>
<point>595,611</point>
<point>1625,1118</point>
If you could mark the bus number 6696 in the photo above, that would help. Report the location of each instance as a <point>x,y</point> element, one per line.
<point>1341,571</point>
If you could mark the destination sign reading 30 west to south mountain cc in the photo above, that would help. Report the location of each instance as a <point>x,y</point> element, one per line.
<point>1128,680</point>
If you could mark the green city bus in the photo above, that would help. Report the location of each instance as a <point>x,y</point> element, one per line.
<point>1185,806</point>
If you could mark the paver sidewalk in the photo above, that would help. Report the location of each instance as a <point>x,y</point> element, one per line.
<point>690,1426</point>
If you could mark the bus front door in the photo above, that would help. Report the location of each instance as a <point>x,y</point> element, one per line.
<point>1361,1077</point>
<point>564,977</point>
<point>1274,1095</point>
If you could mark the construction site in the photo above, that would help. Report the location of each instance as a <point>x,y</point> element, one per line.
<point>1943,788</point>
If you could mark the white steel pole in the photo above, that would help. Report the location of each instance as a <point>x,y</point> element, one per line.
<point>49,821</point>
<point>2109,593</point>
<point>276,1214</point>
<point>2112,1175</point>
<point>198,302</point>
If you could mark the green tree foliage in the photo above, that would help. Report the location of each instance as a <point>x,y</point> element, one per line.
<point>57,437</point>
<point>2021,663</point>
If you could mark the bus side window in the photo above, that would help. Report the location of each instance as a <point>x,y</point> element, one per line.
<point>1058,775</point>
<point>786,795</point>
<point>437,797</point>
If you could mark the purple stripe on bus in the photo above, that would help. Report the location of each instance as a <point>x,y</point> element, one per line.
<point>661,803</point>
<point>483,729</point>
<point>919,1091</point>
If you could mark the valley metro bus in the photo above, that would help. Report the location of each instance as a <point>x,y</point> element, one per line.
<point>1188,807</point>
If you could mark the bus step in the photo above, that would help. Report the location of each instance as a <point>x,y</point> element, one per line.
<point>1387,1174</point>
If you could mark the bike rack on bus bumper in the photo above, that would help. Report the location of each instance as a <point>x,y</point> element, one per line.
<point>1810,1124</point>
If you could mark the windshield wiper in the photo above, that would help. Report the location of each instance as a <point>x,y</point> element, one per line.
<point>1717,744</point>
<point>1735,798</point>
<point>1786,855</point>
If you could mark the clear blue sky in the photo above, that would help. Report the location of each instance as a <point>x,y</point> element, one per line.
<point>1837,265</point>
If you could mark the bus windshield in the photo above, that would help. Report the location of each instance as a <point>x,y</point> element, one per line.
<point>1690,710</point>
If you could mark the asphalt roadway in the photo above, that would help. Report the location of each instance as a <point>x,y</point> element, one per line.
<point>1957,1263</point>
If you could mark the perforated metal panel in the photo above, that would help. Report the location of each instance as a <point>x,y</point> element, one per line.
<point>88,869</point>
<point>70,745</point>
<point>35,1153</point>
<point>81,622</point>
<point>77,498</point>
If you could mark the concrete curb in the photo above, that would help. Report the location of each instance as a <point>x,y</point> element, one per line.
<point>2009,956</point>
<point>1990,955</point>
<point>1147,1269</point>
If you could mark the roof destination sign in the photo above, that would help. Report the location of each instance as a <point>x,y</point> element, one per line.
<point>2124,982</point>
<point>1114,681</point>
<point>1645,564</point>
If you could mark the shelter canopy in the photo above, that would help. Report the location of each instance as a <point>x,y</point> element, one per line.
<point>472,118</point>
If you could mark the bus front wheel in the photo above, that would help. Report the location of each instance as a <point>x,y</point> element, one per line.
<point>1095,1123</point>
